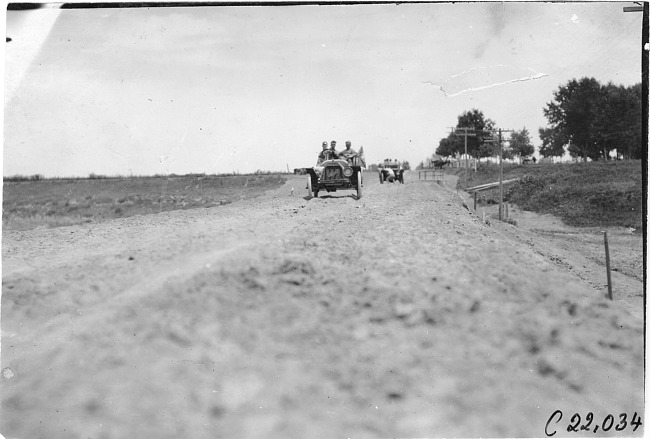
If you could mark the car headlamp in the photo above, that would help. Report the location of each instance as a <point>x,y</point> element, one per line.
<point>347,171</point>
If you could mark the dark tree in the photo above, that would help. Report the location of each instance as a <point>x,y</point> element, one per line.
<point>476,146</point>
<point>573,115</point>
<point>520,145</point>
<point>552,144</point>
<point>631,141</point>
<point>592,120</point>
<point>454,144</point>
<point>450,146</point>
<point>619,121</point>
<point>489,149</point>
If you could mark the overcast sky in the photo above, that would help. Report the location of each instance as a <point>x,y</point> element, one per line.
<point>221,89</point>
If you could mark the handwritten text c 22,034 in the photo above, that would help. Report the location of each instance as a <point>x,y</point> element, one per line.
<point>607,423</point>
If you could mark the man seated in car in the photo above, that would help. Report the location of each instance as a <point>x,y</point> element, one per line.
<point>323,155</point>
<point>348,152</point>
<point>335,154</point>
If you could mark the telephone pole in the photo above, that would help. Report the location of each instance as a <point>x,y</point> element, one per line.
<point>500,131</point>
<point>466,132</point>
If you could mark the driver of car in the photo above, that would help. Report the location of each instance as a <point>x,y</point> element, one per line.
<point>323,155</point>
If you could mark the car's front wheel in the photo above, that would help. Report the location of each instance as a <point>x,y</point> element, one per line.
<point>309,187</point>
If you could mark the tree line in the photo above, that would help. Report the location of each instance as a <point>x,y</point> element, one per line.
<point>586,119</point>
<point>590,120</point>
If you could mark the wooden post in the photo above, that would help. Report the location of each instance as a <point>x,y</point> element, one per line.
<point>500,179</point>
<point>474,201</point>
<point>466,164</point>
<point>609,274</point>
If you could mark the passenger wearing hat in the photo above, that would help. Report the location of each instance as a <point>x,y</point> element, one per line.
<point>323,155</point>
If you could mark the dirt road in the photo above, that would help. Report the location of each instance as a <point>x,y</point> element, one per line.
<point>400,314</point>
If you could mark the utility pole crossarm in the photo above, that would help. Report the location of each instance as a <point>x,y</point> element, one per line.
<point>464,131</point>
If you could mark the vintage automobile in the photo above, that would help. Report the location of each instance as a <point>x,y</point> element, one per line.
<point>336,174</point>
<point>391,171</point>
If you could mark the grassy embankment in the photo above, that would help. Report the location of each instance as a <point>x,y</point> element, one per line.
<point>595,194</point>
<point>63,202</point>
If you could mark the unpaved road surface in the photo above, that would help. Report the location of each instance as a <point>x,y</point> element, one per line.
<point>400,314</point>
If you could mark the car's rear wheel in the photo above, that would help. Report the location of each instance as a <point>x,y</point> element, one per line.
<point>359,184</point>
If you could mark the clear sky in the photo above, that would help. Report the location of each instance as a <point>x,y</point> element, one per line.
<point>221,89</point>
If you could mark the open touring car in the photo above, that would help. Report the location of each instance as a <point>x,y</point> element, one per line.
<point>391,170</point>
<point>336,174</point>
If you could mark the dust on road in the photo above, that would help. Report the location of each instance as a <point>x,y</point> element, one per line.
<point>400,314</point>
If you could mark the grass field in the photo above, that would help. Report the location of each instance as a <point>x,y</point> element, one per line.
<point>63,202</point>
<point>581,194</point>
<point>594,194</point>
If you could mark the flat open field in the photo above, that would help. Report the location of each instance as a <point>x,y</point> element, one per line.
<point>400,314</point>
<point>55,203</point>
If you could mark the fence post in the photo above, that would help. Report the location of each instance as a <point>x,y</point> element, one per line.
<point>609,274</point>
